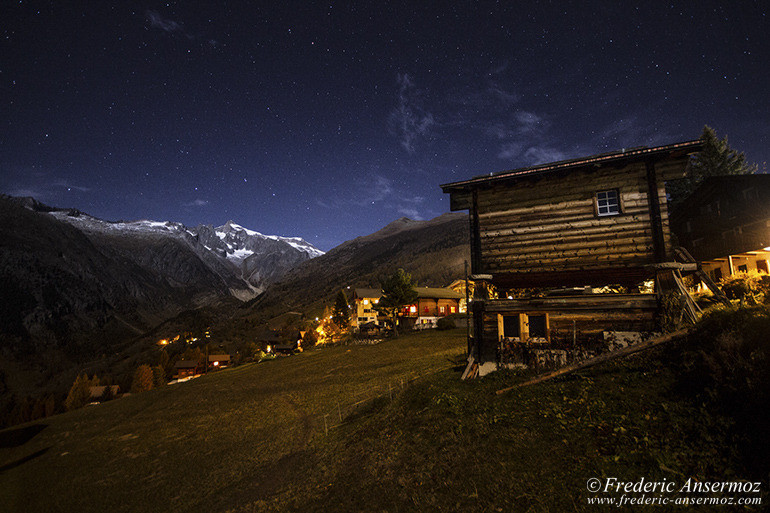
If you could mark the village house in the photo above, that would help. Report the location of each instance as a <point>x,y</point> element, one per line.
<point>186,369</point>
<point>98,393</point>
<point>725,225</point>
<point>432,303</point>
<point>219,361</point>
<point>581,226</point>
<point>363,307</point>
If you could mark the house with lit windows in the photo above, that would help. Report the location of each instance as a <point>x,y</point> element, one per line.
<point>363,309</point>
<point>725,225</point>
<point>432,303</point>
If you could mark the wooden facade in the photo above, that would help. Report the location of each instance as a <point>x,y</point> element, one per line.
<point>726,215</point>
<point>595,221</point>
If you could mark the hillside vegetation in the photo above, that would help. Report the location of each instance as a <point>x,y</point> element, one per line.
<point>255,438</point>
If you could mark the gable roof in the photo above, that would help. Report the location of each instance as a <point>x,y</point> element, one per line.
<point>368,293</point>
<point>186,364</point>
<point>437,293</point>
<point>616,159</point>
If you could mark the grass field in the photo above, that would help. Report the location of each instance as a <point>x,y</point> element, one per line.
<point>215,442</point>
<point>253,438</point>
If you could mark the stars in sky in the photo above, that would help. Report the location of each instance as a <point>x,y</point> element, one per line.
<point>330,120</point>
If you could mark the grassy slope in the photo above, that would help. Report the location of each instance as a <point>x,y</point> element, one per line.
<point>219,441</point>
<point>252,439</point>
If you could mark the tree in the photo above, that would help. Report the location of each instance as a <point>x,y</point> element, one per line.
<point>143,379</point>
<point>158,376</point>
<point>310,338</point>
<point>715,159</point>
<point>397,292</point>
<point>341,311</point>
<point>80,392</point>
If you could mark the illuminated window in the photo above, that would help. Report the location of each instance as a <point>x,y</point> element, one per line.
<point>452,309</point>
<point>366,301</point>
<point>412,309</point>
<point>607,203</point>
<point>442,310</point>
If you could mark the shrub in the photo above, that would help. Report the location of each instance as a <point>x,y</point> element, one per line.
<point>748,287</point>
<point>727,361</point>
<point>445,323</point>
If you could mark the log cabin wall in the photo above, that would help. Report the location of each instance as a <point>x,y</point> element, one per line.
<point>540,227</point>
<point>551,224</point>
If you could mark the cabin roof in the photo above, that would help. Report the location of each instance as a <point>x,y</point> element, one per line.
<point>617,158</point>
<point>437,293</point>
<point>368,293</point>
<point>186,364</point>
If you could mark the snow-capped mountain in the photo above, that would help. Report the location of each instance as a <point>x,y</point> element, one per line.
<point>247,260</point>
<point>75,286</point>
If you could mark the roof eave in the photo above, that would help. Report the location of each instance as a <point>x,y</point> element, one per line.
<point>686,147</point>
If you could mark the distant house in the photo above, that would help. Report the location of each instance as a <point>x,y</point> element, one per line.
<point>186,369</point>
<point>432,303</point>
<point>267,339</point>
<point>596,221</point>
<point>459,286</point>
<point>97,393</point>
<point>725,224</point>
<point>219,361</point>
<point>363,307</point>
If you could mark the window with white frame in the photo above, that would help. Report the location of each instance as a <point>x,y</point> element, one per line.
<point>607,203</point>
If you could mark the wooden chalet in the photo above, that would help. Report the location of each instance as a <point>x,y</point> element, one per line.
<point>725,225</point>
<point>219,361</point>
<point>186,368</point>
<point>99,393</point>
<point>432,303</point>
<point>591,222</point>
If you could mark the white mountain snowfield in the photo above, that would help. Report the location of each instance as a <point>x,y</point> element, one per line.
<point>255,258</point>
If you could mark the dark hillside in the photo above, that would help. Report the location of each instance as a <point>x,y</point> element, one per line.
<point>433,251</point>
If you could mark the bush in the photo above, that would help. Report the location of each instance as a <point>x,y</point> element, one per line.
<point>727,362</point>
<point>749,288</point>
<point>445,323</point>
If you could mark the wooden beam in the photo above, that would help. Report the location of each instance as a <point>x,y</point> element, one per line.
<point>614,355</point>
<point>476,266</point>
<point>656,219</point>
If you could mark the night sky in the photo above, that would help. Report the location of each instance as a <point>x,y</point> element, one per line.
<point>329,121</point>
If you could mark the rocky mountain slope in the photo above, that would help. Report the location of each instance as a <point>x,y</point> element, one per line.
<point>81,284</point>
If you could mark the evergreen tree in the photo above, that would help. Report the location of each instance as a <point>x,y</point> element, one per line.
<point>715,159</point>
<point>341,311</point>
<point>397,292</point>
<point>143,379</point>
<point>107,394</point>
<point>158,376</point>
